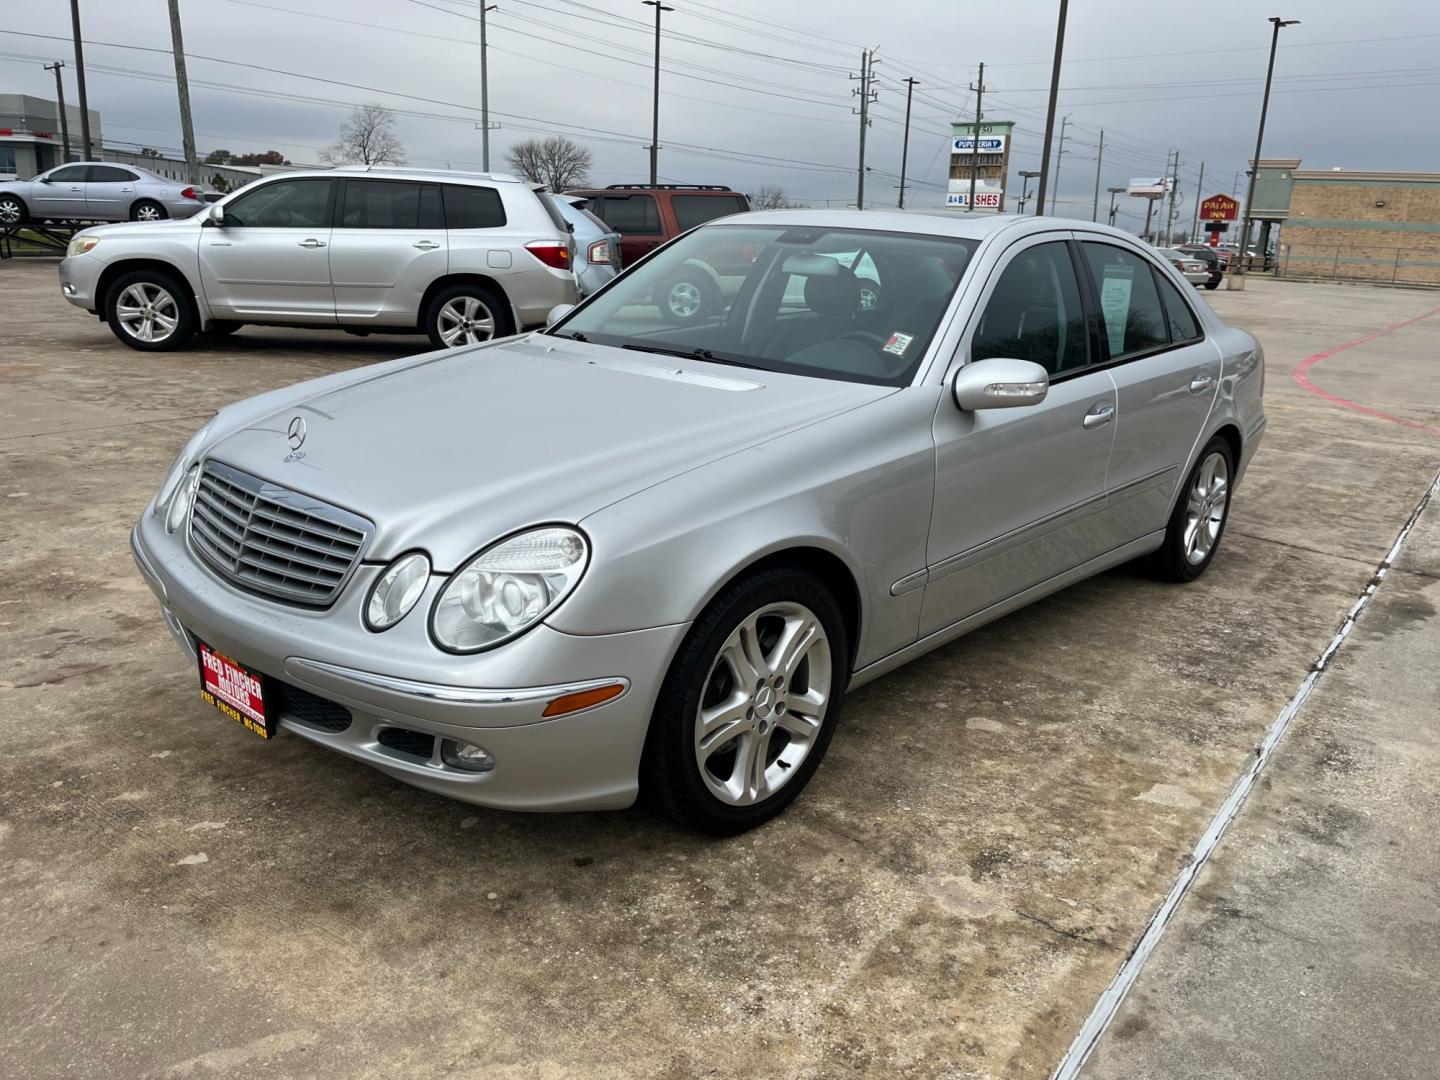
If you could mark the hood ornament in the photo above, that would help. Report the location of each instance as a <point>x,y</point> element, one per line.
<point>295,433</point>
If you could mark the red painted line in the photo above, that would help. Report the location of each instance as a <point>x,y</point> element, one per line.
<point>1303,379</point>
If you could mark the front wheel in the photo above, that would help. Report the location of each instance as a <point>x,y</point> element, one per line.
<point>749,705</point>
<point>150,311</point>
<point>688,299</point>
<point>1212,284</point>
<point>1198,520</point>
<point>466,314</point>
<point>12,211</point>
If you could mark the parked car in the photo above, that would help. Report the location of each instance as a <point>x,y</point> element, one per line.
<point>597,246</point>
<point>460,257</point>
<point>97,191</point>
<point>1210,257</point>
<point>1195,271</point>
<point>621,554</point>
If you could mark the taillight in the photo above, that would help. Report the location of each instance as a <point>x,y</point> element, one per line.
<point>599,252</point>
<point>190,193</point>
<point>553,253</point>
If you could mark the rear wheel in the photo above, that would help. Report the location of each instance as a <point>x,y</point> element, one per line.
<point>749,705</point>
<point>467,314</point>
<point>150,310</point>
<point>1198,520</point>
<point>148,210</point>
<point>12,211</point>
<point>689,298</point>
<point>1212,284</point>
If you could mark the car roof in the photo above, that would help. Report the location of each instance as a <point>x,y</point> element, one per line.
<point>403,172</point>
<point>936,222</point>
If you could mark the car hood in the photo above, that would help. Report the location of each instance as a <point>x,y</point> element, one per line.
<point>145,228</point>
<point>452,452</point>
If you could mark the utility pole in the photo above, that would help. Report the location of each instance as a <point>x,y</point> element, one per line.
<point>1099,157</point>
<point>80,82</point>
<point>1025,178</point>
<point>979,88</point>
<point>485,86</point>
<point>1113,192</point>
<point>1059,155</point>
<point>867,65</point>
<point>655,108</point>
<point>905,144</point>
<point>1174,190</point>
<point>1199,191</point>
<point>182,84</point>
<point>60,103</point>
<point>1050,109</point>
<point>1242,254</point>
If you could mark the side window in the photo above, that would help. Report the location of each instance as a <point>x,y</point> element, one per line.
<point>469,207</point>
<point>70,174</point>
<point>1183,324</point>
<point>692,210</point>
<point>285,204</point>
<point>380,204</point>
<point>1034,312</point>
<point>109,174</point>
<point>631,215</point>
<point>1129,303</point>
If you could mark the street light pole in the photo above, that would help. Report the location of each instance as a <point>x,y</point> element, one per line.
<point>655,108</point>
<point>80,82</point>
<point>1099,157</point>
<point>1277,23</point>
<point>905,144</point>
<point>1113,211</point>
<point>1050,110</point>
<point>60,103</point>
<point>1025,178</point>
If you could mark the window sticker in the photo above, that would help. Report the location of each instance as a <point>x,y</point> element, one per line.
<point>898,343</point>
<point>1115,303</point>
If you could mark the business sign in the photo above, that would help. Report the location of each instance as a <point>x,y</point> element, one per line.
<point>1149,187</point>
<point>1219,208</point>
<point>984,200</point>
<point>979,153</point>
<point>989,144</point>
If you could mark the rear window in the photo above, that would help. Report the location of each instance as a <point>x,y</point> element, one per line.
<point>629,215</point>
<point>390,204</point>
<point>556,218</point>
<point>468,207</point>
<point>692,210</point>
<point>109,174</point>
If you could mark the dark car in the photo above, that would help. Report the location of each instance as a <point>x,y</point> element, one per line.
<point>1211,258</point>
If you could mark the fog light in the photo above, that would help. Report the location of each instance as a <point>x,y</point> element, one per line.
<point>466,756</point>
<point>68,289</point>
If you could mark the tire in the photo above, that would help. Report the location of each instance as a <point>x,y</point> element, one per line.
<point>1197,523</point>
<point>148,210</point>
<point>466,314</point>
<point>12,212</point>
<point>164,298</point>
<point>1212,284</point>
<point>688,298</point>
<point>704,784</point>
<point>223,328</point>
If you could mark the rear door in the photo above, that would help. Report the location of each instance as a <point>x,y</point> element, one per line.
<point>1166,374</point>
<point>271,257</point>
<point>636,217</point>
<point>108,192</point>
<point>60,193</point>
<point>389,243</point>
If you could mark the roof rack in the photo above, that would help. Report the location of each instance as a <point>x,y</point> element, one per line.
<point>668,187</point>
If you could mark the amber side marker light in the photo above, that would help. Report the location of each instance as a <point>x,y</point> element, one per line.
<point>583,699</point>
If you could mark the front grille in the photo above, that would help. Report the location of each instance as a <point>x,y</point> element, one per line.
<point>272,540</point>
<point>304,706</point>
<point>416,744</point>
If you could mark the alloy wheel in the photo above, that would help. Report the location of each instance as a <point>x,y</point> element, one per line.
<point>684,299</point>
<point>466,320</point>
<point>148,312</point>
<point>147,213</point>
<point>763,704</point>
<point>1205,508</point>
<point>9,212</point>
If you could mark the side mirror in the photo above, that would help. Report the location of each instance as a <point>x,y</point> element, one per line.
<point>558,312</point>
<point>215,215</point>
<point>999,383</point>
<point>46,180</point>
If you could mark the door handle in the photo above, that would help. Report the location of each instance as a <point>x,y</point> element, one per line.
<point>1098,416</point>
<point>1200,383</point>
<point>312,243</point>
<point>426,245</point>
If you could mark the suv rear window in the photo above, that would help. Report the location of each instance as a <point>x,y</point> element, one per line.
<point>468,207</point>
<point>629,215</point>
<point>390,204</point>
<point>692,210</point>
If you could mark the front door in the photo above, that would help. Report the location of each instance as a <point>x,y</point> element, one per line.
<point>1166,377</point>
<point>1020,492</point>
<point>109,192</point>
<point>388,244</point>
<point>270,259</point>
<point>60,193</point>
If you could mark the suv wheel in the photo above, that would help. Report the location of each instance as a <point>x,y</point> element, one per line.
<point>689,298</point>
<point>12,211</point>
<point>466,315</point>
<point>148,210</point>
<point>149,310</point>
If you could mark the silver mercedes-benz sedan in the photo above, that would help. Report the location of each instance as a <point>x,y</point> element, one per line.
<point>618,556</point>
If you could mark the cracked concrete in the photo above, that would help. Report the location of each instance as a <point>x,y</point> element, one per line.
<point>946,900</point>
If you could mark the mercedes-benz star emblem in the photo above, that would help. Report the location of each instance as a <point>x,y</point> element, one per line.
<point>296,433</point>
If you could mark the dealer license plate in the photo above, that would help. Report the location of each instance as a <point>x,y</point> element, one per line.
<point>235,690</point>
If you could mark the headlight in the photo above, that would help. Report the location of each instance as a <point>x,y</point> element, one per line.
<point>395,592</point>
<point>177,469</point>
<point>508,588</point>
<point>81,244</point>
<point>184,496</point>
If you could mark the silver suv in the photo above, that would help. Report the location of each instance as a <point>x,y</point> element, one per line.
<point>462,257</point>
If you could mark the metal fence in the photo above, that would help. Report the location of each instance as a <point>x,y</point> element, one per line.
<point>1360,262</point>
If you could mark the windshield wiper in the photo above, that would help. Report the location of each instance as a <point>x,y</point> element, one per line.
<point>692,354</point>
<point>574,335</point>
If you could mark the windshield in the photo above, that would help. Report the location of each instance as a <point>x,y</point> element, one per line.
<point>846,304</point>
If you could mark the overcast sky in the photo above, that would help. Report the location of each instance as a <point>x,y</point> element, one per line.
<point>1154,75</point>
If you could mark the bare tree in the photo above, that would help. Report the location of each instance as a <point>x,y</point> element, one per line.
<point>367,138</point>
<point>771,197</point>
<point>558,162</point>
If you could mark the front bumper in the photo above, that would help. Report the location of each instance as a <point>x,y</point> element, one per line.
<point>79,280</point>
<point>582,761</point>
